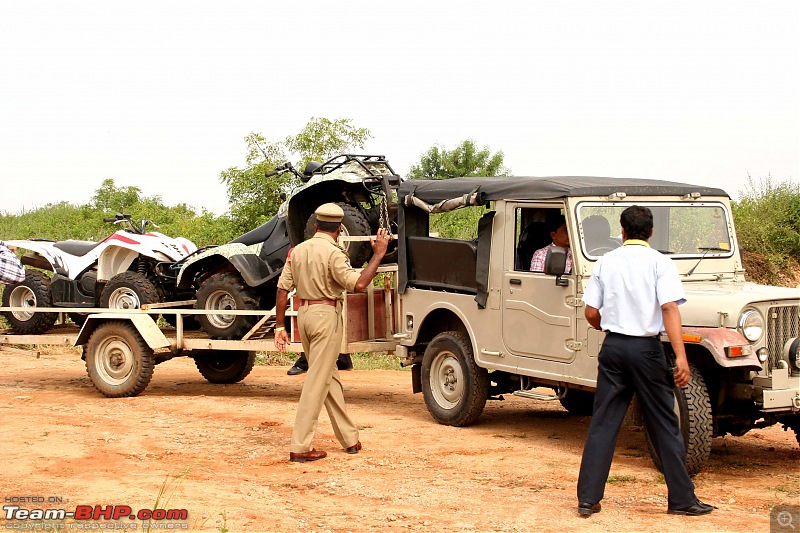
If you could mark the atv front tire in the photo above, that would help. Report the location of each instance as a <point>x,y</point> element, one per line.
<point>128,290</point>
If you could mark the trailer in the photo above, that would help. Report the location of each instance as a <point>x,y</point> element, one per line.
<point>121,347</point>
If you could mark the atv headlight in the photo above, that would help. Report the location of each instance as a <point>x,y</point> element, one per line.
<point>751,324</point>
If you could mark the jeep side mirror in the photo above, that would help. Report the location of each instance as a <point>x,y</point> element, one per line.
<point>555,264</point>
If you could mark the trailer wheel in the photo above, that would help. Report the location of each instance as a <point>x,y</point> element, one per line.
<point>30,293</point>
<point>225,366</point>
<point>354,224</point>
<point>222,292</point>
<point>119,362</point>
<point>455,388</point>
<point>693,407</point>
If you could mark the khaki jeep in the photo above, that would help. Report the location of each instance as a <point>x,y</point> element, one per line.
<point>477,323</point>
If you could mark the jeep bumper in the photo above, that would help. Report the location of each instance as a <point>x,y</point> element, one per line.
<point>781,391</point>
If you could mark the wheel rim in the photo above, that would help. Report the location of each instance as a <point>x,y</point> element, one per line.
<point>221,301</point>
<point>115,361</point>
<point>447,380</point>
<point>124,298</point>
<point>22,296</point>
<point>345,233</point>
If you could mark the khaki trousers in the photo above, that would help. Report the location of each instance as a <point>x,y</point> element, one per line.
<point>321,334</point>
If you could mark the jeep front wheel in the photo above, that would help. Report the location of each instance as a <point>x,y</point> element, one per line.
<point>693,408</point>
<point>455,388</point>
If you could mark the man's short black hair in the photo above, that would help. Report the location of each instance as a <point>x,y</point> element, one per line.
<point>637,221</point>
<point>554,222</point>
<point>329,227</point>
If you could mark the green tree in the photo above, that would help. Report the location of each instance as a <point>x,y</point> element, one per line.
<point>466,159</point>
<point>109,197</point>
<point>254,197</point>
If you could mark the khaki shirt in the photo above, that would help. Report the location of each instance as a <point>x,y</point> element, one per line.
<point>319,269</point>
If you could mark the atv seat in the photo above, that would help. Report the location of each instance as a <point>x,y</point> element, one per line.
<point>76,248</point>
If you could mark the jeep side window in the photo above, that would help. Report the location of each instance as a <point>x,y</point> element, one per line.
<point>533,233</point>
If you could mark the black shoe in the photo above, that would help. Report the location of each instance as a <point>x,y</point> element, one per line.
<point>355,448</point>
<point>344,362</point>
<point>696,509</point>
<point>295,370</point>
<point>588,509</point>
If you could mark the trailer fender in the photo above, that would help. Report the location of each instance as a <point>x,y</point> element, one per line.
<point>143,323</point>
<point>722,344</point>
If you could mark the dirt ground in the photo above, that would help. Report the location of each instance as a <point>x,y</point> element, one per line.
<point>221,453</point>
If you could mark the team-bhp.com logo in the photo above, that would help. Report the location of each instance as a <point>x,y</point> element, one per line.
<point>18,517</point>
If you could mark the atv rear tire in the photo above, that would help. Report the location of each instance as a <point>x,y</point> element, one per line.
<point>354,224</point>
<point>32,292</point>
<point>226,291</point>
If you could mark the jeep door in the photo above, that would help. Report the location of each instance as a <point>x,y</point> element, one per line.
<point>538,316</point>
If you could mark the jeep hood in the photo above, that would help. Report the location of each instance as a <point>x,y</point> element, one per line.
<point>706,300</point>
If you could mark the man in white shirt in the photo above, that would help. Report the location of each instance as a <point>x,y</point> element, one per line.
<point>633,295</point>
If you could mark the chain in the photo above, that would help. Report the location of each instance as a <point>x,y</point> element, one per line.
<point>384,216</point>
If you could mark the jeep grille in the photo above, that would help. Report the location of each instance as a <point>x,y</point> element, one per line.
<point>783,323</point>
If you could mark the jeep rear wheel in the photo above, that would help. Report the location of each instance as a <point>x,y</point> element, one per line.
<point>578,402</point>
<point>354,224</point>
<point>693,408</point>
<point>226,291</point>
<point>454,387</point>
<point>225,366</point>
<point>32,292</point>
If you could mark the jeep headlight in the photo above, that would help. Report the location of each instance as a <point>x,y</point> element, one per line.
<point>751,324</point>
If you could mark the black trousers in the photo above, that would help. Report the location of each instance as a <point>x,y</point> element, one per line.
<point>628,365</point>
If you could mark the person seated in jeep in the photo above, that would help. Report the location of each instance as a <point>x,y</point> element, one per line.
<point>558,233</point>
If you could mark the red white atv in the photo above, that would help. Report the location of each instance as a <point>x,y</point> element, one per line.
<point>127,269</point>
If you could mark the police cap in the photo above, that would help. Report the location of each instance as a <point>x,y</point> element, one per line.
<point>329,213</point>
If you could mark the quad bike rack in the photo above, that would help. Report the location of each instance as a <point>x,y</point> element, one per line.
<point>136,342</point>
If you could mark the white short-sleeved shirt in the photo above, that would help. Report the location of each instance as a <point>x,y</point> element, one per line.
<point>629,285</point>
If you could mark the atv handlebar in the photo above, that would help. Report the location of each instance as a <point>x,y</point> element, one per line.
<point>125,219</point>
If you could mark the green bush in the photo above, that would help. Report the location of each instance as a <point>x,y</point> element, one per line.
<point>767,218</point>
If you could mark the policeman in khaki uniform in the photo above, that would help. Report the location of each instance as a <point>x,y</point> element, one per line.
<point>320,272</point>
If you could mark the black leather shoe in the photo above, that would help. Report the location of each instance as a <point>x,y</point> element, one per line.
<point>295,370</point>
<point>696,509</point>
<point>344,362</point>
<point>588,509</point>
<point>355,448</point>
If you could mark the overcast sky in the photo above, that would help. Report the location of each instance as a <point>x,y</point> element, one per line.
<point>160,94</point>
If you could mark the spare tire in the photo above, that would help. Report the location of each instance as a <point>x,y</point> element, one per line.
<point>354,223</point>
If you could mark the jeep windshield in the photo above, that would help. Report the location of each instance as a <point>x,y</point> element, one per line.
<point>680,230</point>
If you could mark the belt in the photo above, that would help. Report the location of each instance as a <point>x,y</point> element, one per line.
<point>632,336</point>
<point>324,301</point>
